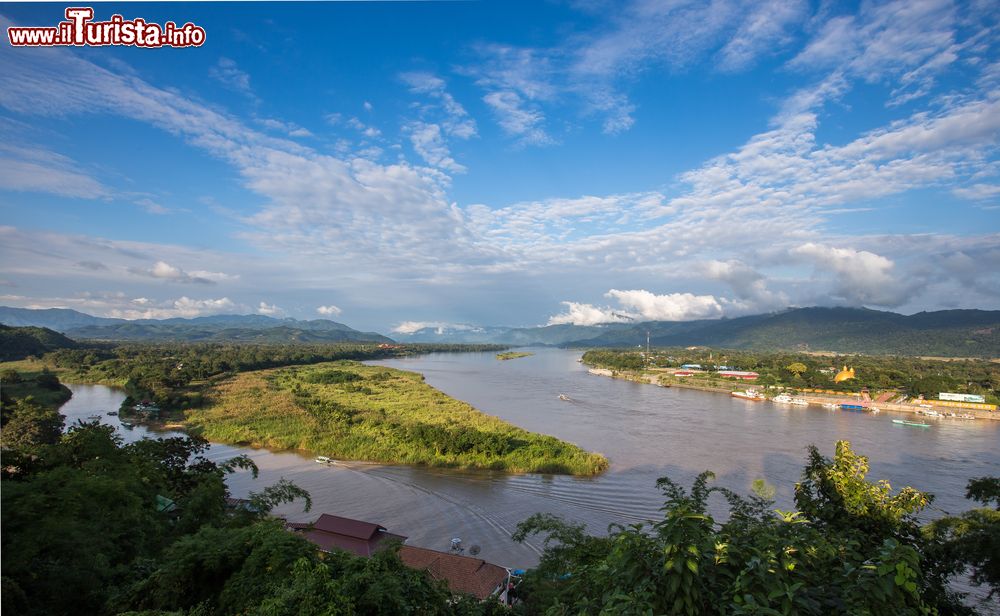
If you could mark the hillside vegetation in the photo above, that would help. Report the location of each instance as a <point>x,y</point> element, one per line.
<point>950,333</point>
<point>352,411</point>
<point>21,342</point>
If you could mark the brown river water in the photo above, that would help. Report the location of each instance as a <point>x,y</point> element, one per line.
<point>645,431</point>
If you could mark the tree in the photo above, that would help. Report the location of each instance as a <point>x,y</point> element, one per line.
<point>797,368</point>
<point>971,541</point>
<point>755,563</point>
<point>836,493</point>
<point>31,425</point>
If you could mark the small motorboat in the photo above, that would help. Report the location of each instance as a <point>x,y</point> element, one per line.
<point>905,422</point>
<point>94,417</point>
<point>112,413</point>
<point>564,397</point>
<point>323,460</point>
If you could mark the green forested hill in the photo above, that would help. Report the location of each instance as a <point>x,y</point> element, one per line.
<point>20,342</point>
<point>188,332</point>
<point>952,333</point>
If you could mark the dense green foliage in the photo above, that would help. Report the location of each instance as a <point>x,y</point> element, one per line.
<point>174,376</point>
<point>909,375</point>
<point>20,342</point>
<point>42,385</point>
<point>83,534</point>
<point>852,548</point>
<point>28,408</point>
<point>971,541</point>
<point>84,531</point>
<point>352,411</point>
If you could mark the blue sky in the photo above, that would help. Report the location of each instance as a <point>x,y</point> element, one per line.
<point>393,165</point>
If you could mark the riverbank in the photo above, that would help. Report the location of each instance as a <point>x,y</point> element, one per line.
<point>348,410</point>
<point>811,399</point>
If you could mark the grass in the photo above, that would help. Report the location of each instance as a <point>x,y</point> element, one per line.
<point>51,397</point>
<point>348,410</point>
<point>32,367</point>
<point>512,355</point>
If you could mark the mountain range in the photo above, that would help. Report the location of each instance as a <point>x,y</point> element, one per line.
<point>218,328</point>
<point>949,333</point>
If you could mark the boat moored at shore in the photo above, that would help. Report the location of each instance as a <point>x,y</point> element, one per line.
<point>749,394</point>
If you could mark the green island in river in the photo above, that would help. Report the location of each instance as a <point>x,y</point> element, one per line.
<point>512,355</point>
<point>349,410</point>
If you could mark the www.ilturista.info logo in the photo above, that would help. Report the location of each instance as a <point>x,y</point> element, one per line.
<point>79,29</point>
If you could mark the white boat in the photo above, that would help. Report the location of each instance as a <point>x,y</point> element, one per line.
<point>799,402</point>
<point>323,460</point>
<point>750,394</point>
<point>782,399</point>
<point>564,397</point>
<point>831,406</point>
<point>874,410</point>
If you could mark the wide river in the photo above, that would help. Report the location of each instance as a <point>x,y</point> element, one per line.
<point>645,431</point>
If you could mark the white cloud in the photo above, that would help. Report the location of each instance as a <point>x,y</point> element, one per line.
<point>226,72</point>
<point>429,144</point>
<point>119,305</point>
<point>978,192</point>
<point>411,327</point>
<point>641,305</point>
<point>35,169</point>
<point>165,271</point>
<point>151,206</point>
<point>329,311</point>
<point>269,309</point>
<point>185,307</point>
<point>517,118</point>
<point>860,277</point>
<point>587,314</point>
<point>668,307</point>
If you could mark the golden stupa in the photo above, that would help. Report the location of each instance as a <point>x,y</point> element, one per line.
<point>844,375</point>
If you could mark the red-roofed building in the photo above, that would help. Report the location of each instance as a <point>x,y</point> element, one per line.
<point>743,375</point>
<point>463,574</point>
<point>332,531</point>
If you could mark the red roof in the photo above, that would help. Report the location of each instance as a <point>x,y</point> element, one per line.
<point>346,526</point>
<point>331,531</point>
<point>463,574</point>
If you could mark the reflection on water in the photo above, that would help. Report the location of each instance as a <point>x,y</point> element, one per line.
<point>647,432</point>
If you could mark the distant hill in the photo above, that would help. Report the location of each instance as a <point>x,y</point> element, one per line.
<point>20,342</point>
<point>551,335</point>
<point>948,333</point>
<point>58,319</point>
<point>951,333</point>
<point>216,328</point>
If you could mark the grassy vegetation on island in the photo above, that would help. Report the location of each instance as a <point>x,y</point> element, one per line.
<point>512,355</point>
<point>352,411</point>
<point>42,386</point>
